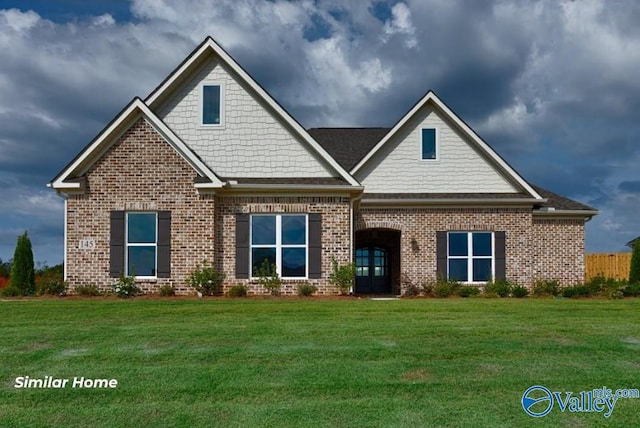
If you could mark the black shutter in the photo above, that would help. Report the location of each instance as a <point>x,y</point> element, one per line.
<point>242,246</point>
<point>315,246</point>
<point>116,244</point>
<point>441,255</point>
<point>164,244</point>
<point>500,258</point>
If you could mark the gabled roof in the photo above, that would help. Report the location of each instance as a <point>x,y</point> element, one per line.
<point>209,46</point>
<point>348,145</point>
<point>67,179</point>
<point>479,144</point>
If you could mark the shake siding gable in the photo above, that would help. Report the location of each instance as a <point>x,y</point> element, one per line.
<point>250,143</point>
<point>399,168</point>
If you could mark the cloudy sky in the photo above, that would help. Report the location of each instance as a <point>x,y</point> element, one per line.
<point>553,86</point>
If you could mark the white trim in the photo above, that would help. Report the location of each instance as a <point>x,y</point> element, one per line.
<point>482,146</point>
<point>127,244</point>
<point>221,106</point>
<point>279,246</point>
<point>436,142</point>
<point>136,109</point>
<point>470,257</point>
<point>65,256</point>
<point>210,45</point>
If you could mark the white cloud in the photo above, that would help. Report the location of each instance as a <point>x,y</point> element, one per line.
<point>17,20</point>
<point>105,20</point>
<point>400,23</point>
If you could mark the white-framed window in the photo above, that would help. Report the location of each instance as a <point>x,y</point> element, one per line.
<point>429,144</point>
<point>281,239</point>
<point>470,256</point>
<point>141,242</point>
<point>212,104</point>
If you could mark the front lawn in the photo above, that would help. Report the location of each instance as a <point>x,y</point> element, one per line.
<point>315,362</point>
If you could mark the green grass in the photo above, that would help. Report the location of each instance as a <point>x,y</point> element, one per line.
<point>311,362</point>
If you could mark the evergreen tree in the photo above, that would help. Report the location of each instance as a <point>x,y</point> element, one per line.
<point>22,269</point>
<point>634,273</point>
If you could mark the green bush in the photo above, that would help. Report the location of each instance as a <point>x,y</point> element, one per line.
<point>126,287</point>
<point>428,288</point>
<point>634,270</point>
<point>10,291</point>
<point>22,269</point>
<point>239,290</point>
<point>206,279</point>
<point>576,291</point>
<point>342,277</point>
<point>519,291</point>
<point>50,280</point>
<point>446,288</point>
<point>87,290</point>
<point>305,289</point>
<point>268,277</point>
<point>468,291</point>
<point>632,290</point>
<point>167,290</point>
<point>546,287</point>
<point>501,288</point>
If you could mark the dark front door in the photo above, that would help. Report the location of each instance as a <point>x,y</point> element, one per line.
<point>372,270</point>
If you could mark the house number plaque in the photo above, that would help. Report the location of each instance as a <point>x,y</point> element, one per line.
<point>87,244</point>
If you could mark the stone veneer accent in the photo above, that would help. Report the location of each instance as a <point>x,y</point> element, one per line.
<point>532,251</point>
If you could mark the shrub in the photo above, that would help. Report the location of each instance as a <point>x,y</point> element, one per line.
<point>206,279</point>
<point>126,287</point>
<point>268,277</point>
<point>468,291</point>
<point>519,291</point>
<point>3,281</point>
<point>428,288</point>
<point>409,287</point>
<point>51,281</point>
<point>576,291</point>
<point>445,288</point>
<point>546,287</point>
<point>239,290</point>
<point>87,290</point>
<point>305,289</point>
<point>343,276</point>
<point>501,288</point>
<point>10,291</point>
<point>632,290</point>
<point>22,269</point>
<point>634,270</point>
<point>167,290</point>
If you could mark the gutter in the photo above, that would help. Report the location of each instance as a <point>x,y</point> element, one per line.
<point>451,201</point>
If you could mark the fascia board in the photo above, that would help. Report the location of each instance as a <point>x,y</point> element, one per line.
<point>97,148</point>
<point>484,147</point>
<point>210,44</point>
<point>565,213</point>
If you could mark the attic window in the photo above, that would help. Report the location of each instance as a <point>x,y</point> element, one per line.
<point>429,146</point>
<point>211,104</point>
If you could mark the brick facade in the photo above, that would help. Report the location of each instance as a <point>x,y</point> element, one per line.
<point>535,248</point>
<point>142,172</point>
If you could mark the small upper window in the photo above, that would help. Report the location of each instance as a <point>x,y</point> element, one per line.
<point>428,144</point>
<point>211,105</point>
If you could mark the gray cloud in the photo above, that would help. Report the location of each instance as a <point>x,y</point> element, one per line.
<point>551,85</point>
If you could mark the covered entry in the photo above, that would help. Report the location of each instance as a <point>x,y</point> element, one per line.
<point>377,260</point>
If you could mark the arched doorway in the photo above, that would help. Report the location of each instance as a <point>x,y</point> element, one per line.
<point>377,260</point>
